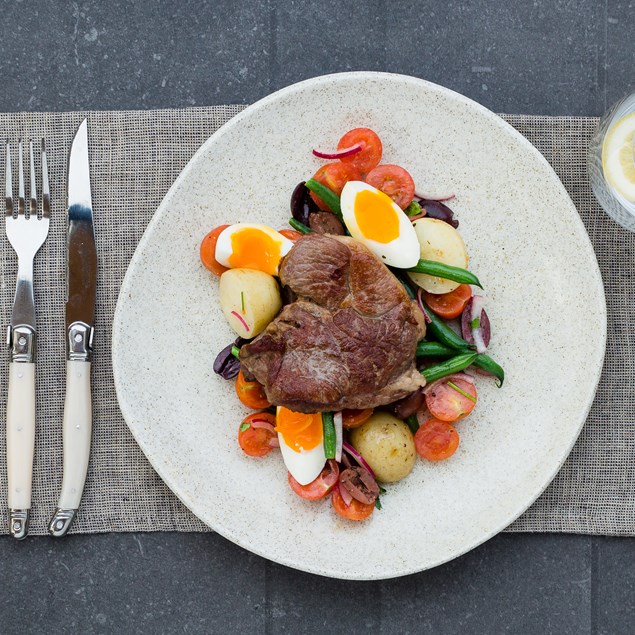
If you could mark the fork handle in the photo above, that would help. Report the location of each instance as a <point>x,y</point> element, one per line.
<point>76,434</point>
<point>20,444</point>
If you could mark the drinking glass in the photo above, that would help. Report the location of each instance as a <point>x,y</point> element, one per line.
<point>612,190</point>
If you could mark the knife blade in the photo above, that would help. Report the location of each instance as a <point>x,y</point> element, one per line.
<point>81,290</point>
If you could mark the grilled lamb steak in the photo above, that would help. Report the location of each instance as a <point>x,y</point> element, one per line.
<point>349,339</point>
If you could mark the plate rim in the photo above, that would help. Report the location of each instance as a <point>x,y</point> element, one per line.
<point>595,277</point>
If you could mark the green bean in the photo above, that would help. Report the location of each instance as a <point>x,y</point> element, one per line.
<point>434,349</point>
<point>328,427</point>
<point>486,363</point>
<point>236,351</point>
<point>298,226</point>
<point>450,366</point>
<point>444,333</point>
<point>331,199</point>
<point>447,272</point>
<point>413,423</point>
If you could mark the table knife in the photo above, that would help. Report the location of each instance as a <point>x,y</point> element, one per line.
<point>81,281</point>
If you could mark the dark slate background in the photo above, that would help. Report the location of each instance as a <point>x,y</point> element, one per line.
<point>554,57</point>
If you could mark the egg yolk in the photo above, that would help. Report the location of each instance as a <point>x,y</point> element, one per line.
<point>254,249</point>
<point>300,431</point>
<point>376,217</point>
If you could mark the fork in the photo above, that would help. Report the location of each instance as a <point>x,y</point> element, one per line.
<point>26,233</point>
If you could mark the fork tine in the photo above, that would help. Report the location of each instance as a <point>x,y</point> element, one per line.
<point>33,197</point>
<point>8,185</point>
<point>46,194</point>
<point>20,180</point>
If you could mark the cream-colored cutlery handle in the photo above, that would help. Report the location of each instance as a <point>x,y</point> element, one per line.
<point>77,427</point>
<point>76,434</point>
<point>20,444</point>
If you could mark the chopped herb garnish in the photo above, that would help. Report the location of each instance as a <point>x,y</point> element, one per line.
<point>244,426</point>
<point>382,491</point>
<point>242,301</point>
<point>378,503</point>
<point>236,351</point>
<point>462,392</point>
<point>475,323</point>
<point>413,209</point>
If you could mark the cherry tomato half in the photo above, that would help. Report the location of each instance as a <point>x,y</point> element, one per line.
<point>251,393</point>
<point>321,486</point>
<point>370,154</point>
<point>208,251</point>
<point>436,440</point>
<point>355,418</point>
<point>447,403</point>
<point>257,441</point>
<point>394,181</point>
<point>355,511</point>
<point>334,176</point>
<point>449,305</point>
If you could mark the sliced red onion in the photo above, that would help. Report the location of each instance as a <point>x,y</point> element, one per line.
<point>481,334</point>
<point>358,457</point>
<point>444,380</point>
<point>345,494</point>
<point>274,443</point>
<point>420,303</point>
<point>339,154</point>
<point>262,423</point>
<point>339,435</point>
<point>438,199</point>
<point>345,460</point>
<point>477,314</point>
<point>241,318</point>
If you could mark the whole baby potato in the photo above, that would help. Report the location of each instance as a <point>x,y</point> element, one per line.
<point>387,445</point>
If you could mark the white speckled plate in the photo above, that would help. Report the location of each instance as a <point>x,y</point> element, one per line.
<point>527,245</point>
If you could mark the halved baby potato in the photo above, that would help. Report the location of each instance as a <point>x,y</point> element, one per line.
<point>442,243</point>
<point>250,299</point>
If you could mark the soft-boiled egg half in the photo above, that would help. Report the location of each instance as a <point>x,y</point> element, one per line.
<point>251,246</point>
<point>374,219</point>
<point>301,443</point>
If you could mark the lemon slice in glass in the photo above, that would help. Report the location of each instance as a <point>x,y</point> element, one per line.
<point>618,156</point>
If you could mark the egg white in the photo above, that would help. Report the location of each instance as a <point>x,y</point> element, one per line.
<point>304,466</point>
<point>224,243</point>
<point>403,251</point>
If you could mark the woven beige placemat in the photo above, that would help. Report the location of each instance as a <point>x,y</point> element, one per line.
<point>135,157</point>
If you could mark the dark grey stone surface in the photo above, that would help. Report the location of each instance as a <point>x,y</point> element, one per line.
<point>543,57</point>
<point>613,598</point>
<point>200,583</point>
